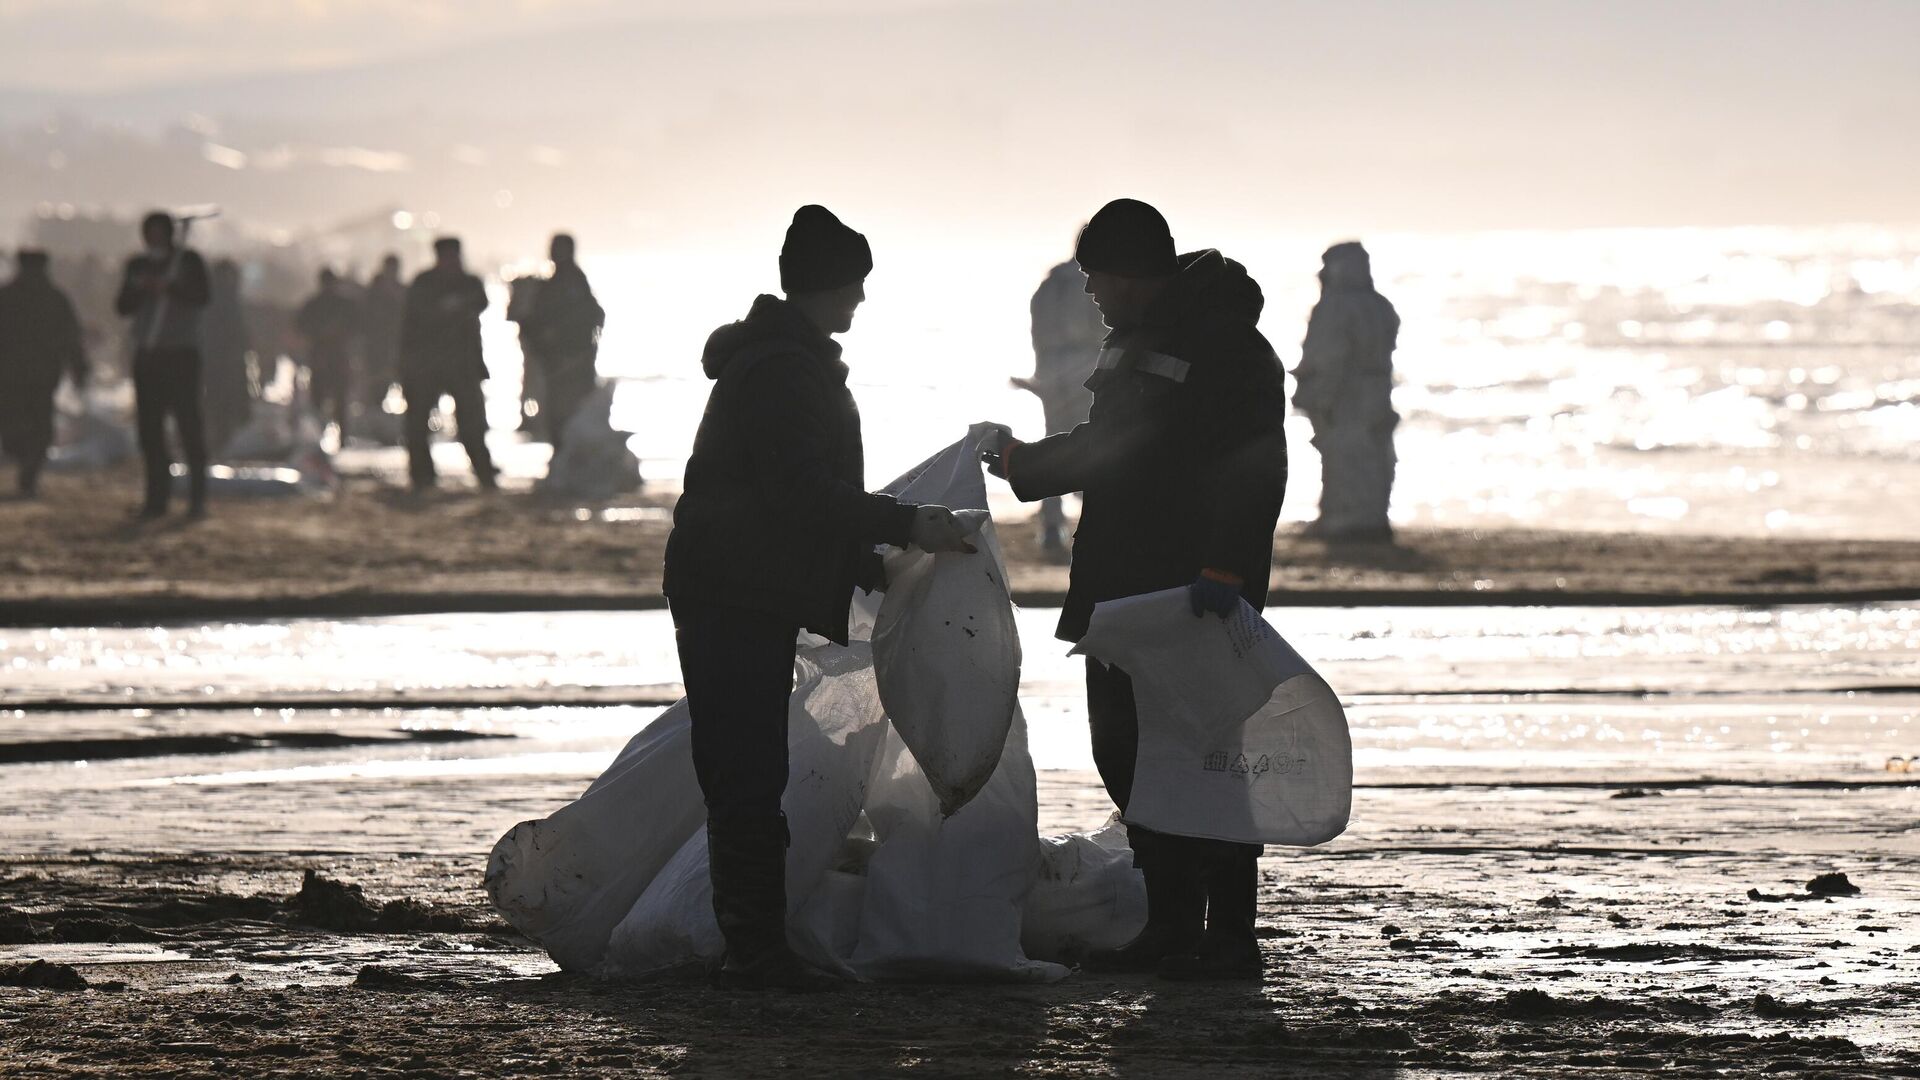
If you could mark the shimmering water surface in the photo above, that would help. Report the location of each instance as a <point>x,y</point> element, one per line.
<point>1434,694</point>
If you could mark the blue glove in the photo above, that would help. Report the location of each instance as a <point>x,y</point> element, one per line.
<point>1214,591</point>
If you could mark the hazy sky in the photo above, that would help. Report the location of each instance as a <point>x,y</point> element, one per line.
<point>1335,117</point>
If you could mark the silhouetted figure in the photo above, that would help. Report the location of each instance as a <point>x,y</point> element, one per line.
<point>778,454</point>
<point>330,321</point>
<point>1344,387</point>
<point>533,371</point>
<point>1181,466</point>
<point>164,289</point>
<point>380,312</point>
<point>40,339</point>
<point>561,333</point>
<point>228,394</point>
<point>1067,331</point>
<point>440,355</point>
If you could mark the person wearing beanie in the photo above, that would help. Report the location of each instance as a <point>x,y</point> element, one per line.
<point>40,340</point>
<point>440,356</point>
<point>1344,387</point>
<point>1180,466</point>
<point>773,531</point>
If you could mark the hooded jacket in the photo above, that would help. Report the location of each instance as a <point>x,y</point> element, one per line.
<point>39,334</point>
<point>774,515</point>
<point>1183,461</point>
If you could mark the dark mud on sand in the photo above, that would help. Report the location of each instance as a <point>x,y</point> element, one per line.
<point>201,965</point>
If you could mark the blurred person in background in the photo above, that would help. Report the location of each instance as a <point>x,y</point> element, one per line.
<point>40,339</point>
<point>380,311</point>
<point>1181,467</point>
<point>1344,387</point>
<point>1067,331</point>
<point>440,355</point>
<point>561,332</point>
<point>329,321</point>
<point>164,290</point>
<point>228,393</point>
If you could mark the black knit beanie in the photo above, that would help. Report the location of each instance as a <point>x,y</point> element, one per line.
<point>821,253</point>
<point>1129,238</point>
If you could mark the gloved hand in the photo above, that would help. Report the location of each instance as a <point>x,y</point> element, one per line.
<point>935,529</point>
<point>998,439</point>
<point>1216,591</point>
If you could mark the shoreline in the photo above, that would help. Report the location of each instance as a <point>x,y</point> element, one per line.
<point>74,558</point>
<point>18,613</point>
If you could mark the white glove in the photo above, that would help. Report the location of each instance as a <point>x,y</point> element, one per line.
<point>936,529</point>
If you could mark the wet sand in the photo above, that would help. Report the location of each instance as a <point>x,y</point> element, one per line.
<point>75,557</point>
<point>1508,930</point>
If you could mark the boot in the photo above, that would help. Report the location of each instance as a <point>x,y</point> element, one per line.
<point>1176,906</point>
<point>748,864</point>
<point>1228,950</point>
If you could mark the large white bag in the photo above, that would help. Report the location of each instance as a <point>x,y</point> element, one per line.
<point>568,879</point>
<point>944,646</point>
<point>1239,738</point>
<point>834,732</point>
<point>945,893</point>
<point>1085,896</point>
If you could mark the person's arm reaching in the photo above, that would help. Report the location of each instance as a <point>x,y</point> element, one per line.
<point>789,414</point>
<point>1074,460</point>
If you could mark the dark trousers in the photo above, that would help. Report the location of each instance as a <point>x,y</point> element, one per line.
<point>166,382</point>
<point>26,428</point>
<point>738,668</point>
<point>1227,872</point>
<point>423,394</point>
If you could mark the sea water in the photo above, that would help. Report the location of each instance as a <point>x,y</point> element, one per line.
<point>1739,381</point>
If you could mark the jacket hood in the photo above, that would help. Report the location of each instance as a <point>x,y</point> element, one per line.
<point>771,321</point>
<point>1346,266</point>
<point>1212,288</point>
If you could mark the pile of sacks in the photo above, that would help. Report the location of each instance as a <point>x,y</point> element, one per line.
<point>593,463</point>
<point>911,801</point>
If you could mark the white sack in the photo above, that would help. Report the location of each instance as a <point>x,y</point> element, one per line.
<point>568,879</point>
<point>1239,738</point>
<point>945,893</point>
<point>1085,896</point>
<point>834,733</point>
<point>945,647</point>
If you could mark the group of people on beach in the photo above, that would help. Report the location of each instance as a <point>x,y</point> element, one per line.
<point>1180,462</point>
<point>359,342</point>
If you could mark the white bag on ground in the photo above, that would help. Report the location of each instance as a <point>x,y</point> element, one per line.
<point>1239,738</point>
<point>945,893</point>
<point>1086,895</point>
<point>945,647</point>
<point>569,878</point>
<point>835,730</point>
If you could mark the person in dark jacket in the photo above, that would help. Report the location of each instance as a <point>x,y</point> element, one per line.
<point>1344,387</point>
<point>773,532</point>
<point>164,290</point>
<point>330,321</point>
<point>440,355</point>
<point>1181,466</point>
<point>561,333</point>
<point>39,341</point>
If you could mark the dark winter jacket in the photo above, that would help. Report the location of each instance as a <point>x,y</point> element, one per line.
<point>774,515</point>
<point>565,319</point>
<point>187,292</point>
<point>1183,461</point>
<point>39,334</point>
<point>440,326</point>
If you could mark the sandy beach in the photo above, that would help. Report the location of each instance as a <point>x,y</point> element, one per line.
<point>75,557</point>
